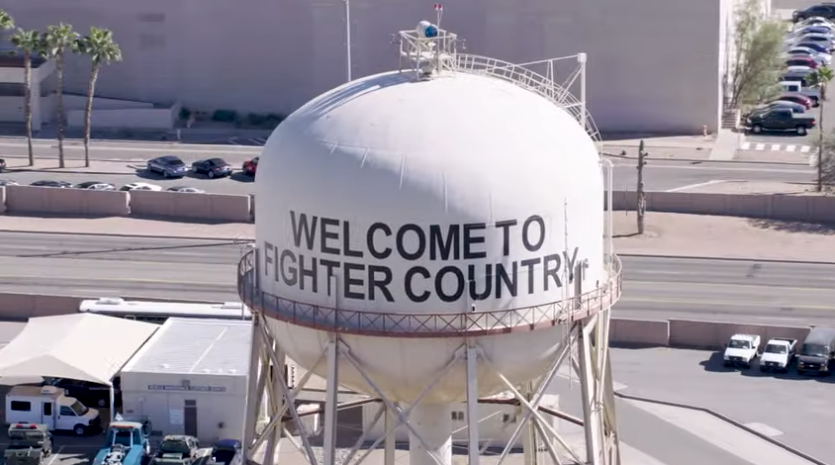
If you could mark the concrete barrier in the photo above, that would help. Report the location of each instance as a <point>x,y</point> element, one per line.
<point>207,207</point>
<point>82,202</point>
<point>2,200</point>
<point>714,335</point>
<point>639,333</point>
<point>803,208</point>
<point>21,307</point>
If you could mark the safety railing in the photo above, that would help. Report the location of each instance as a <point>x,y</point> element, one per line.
<point>423,324</point>
<point>528,79</point>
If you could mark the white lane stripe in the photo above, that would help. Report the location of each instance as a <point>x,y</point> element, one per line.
<point>805,149</point>
<point>693,186</point>
<point>775,147</point>
<point>760,147</point>
<point>790,148</point>
<point>745,146</point>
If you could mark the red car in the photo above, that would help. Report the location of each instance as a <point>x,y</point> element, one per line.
<point>251,166</point>
<point>802,61</point>
<point>797,98</point>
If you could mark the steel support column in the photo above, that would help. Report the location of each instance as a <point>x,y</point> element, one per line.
<point>331,403</point>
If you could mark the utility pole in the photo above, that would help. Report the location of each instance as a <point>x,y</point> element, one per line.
<point>820,140</point>
<point>642,201</point>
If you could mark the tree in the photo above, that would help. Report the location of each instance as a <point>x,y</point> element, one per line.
<point>6,21</point>
<point>820,80</point>
<point>100,47</point>
<point>826,160</point>
<point>756,55</point>
<point>29,43</point>
<point>57,40</point>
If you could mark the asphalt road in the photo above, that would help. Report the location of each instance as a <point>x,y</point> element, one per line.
<point>655,288</point>
<point>659,175</point>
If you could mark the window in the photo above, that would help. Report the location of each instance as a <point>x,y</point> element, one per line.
<point>19,406</point>
<point>47,409</point>
<point>507,418</point>
<point>457,416</point>
<point>66,411</point>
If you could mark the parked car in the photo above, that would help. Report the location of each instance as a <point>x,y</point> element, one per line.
<point>2,164</point>
<point>778,354</point>
<point>168,166</point>
<point>817,353</point>
<point>825,11</point>
<point>796,98</point>
<point>7,182</point>
<point>51,183</point>
<point>795,63</point>
<point>96,186</point>
<point>781,119</point>
<point>797,87</point>
<point>824,40</point>
<point>186,190</point>
<point>812,29</point>
<point>741,350</point>
<point>814,20</point>
<point>212,167</point>
<point>820,48</point>
<point>251,166</point>
<point>140,186</point>
<point>86,392</point>
<point>794,107</point>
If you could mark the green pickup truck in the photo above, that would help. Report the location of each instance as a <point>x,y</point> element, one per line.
<point>780,119</point>
<point>29,443</point>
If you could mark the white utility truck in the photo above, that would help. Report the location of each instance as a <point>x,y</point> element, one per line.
<point>49,406</point>
<point>741,350</point>
<point>778,354</point>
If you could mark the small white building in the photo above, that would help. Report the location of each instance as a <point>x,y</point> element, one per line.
<point>191,378</point>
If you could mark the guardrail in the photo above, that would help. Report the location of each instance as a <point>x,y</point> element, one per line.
<point>423,324</point>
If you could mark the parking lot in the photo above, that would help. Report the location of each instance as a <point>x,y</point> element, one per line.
<point>793,409</point>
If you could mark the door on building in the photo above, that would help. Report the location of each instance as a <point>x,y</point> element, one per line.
<point>47,417</point>
<point>190,418</point>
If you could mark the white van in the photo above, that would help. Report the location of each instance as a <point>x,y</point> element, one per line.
<point>796,87</point>
<point>49,406</point>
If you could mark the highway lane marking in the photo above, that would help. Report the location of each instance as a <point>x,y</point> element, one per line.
<point>56,454</point>
<point>790,148</point>
<point>775,147</point>
<point>693,186</point>
<point>717,303</point>
<point>720,168</point>
<point>760,275</point>
<point>760,147</point>
<point>805,149</point>
<point>745,146</point>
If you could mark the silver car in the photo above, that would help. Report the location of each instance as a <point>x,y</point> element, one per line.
<point>168,166</point>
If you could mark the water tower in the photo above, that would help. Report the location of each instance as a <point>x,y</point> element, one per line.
<point>430,236</point>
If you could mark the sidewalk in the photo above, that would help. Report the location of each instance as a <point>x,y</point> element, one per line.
<point>18,165</point>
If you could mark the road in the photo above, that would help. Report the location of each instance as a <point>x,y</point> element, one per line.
<point>659,175</point>
<point>655,288</point>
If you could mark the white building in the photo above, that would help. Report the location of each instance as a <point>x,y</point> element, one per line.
<point>653,65</point>
<point>190,378</point>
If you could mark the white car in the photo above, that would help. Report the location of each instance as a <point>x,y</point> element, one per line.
<point>798,68</point>
<point>741,350</point>
<point>186,190</point>
<point>825,40</point>
<point>140,186</point>
<point>814,21</point>
<point>102,187</point>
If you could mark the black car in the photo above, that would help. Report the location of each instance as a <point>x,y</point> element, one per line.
<point>781,119</point>
<point>212,167</point>
<point>227,452</point>
<point>2,164</point>
<point>824,10</point>
<point>50,183</point>
<point>89,394</point>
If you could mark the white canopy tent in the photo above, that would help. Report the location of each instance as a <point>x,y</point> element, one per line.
<point>85,347</point>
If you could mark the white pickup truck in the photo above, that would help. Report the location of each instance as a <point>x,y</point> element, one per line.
<point>741,350</point>
<point>778,354</point>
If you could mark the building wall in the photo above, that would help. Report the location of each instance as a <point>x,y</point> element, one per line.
<point>654,65</point>
<point>213,408</point>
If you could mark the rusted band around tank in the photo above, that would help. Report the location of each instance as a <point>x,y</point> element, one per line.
<point>424,324</point>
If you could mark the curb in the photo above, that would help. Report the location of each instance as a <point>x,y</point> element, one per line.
<point>732,259</point>
<point>66,171</point>
<point>697,161</point>
<point>233,240</point>
<point>729,420</point>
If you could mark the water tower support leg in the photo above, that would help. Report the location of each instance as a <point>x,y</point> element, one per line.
<point>331,402</point>
<point>472,403</point>
<point>591,410</point>
<point>391,438</point>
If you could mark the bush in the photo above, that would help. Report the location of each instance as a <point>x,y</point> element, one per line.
<point>225,116</point>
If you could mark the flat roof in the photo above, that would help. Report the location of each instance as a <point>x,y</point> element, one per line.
<point>189,346</point>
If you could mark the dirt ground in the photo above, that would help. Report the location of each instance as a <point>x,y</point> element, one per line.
<point>665,234</point>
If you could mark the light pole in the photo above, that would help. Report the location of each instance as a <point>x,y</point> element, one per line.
<point>642,201</point>
<point>348,63</point>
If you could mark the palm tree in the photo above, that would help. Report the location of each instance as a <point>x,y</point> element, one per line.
<point>820,80</point>
<point>28,42</point>
<point>6,21</point>
<point>102,50</point>
<point>57,40</point>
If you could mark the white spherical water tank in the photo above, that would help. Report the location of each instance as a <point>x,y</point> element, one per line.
<point>457,194</point>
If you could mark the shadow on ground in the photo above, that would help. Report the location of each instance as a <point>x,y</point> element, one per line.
<point>794,226</point>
